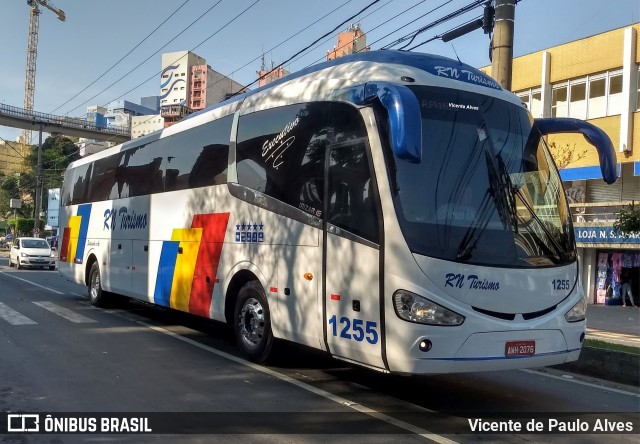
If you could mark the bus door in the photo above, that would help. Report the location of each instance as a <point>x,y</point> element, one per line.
<point>352,256</point>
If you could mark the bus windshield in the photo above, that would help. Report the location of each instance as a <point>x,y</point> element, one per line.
<point>481,194</point>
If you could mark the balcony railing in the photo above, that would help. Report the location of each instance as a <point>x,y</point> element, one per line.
<point>597,212</point>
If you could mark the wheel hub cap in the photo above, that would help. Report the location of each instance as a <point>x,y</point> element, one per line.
<point>252,322</point>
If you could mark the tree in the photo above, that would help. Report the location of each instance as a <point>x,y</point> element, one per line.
<point>628,221</point>
<point>58,152</point>
<point>564,155</point>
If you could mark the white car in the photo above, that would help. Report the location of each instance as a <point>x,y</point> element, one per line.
<point>31,252</point>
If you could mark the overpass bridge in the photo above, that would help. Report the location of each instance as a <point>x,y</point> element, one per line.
<point>71,126</point>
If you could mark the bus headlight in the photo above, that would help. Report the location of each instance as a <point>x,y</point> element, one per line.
<point>578,312</point>
<point>414,308</point>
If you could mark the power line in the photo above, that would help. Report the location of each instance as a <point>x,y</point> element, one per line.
<point>148,58</point>
<point>123,57</point>
<point>316,41</point>
<point>411,36</point>
<point>296,34</point>
<point>381,24</point>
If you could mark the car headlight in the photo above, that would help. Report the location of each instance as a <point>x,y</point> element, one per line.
<point>413,308</point>
<point>23,254</point>
<point>578,312</point>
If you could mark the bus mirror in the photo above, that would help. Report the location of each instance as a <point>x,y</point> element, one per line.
<point>594,135</point>
<point>405,124</point>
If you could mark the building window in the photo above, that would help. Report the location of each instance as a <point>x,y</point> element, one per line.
<point>615,95</point>
<point>597,98</point>
<point>532,98</point>
<point>588,97</point>
<point>638,89</point>
<point>559,103</point>
<point>578,100</point>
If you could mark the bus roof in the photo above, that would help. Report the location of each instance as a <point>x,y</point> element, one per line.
<point>433,64</point>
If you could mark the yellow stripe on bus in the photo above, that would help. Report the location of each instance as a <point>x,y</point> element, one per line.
<point>189,239</point>
<point>74,232</point>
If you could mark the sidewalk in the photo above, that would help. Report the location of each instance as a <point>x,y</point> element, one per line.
<point>615,324</point>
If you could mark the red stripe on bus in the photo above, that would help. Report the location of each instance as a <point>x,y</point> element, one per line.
<point>64,248</point>
<point>335,297</point>
<point>214,227</point>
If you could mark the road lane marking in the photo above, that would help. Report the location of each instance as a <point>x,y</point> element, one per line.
<point>575,381</point>
<point>32,283</point>
<point>64,312</point>
<point>13,317</point>
<point>330,396</point>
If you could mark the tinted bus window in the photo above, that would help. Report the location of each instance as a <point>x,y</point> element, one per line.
<point>198,157</point>
<point>140,170</point>
<point>280,152</point>
<point>103,180</point>
<point>79,186</point>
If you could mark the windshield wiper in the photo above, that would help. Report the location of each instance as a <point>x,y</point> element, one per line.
<point>515,191</point>
<point>496,193</point>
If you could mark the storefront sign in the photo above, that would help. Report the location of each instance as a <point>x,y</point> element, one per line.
<point>603,235</point>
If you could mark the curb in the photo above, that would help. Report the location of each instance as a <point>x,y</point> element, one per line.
<point>610,365</point>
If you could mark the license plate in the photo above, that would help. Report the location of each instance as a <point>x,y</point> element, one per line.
<point>520,348</point>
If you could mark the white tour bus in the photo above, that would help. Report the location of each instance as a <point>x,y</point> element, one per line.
<point>400,211</point>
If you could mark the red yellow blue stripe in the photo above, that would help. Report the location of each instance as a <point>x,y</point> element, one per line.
<point>189,263</point>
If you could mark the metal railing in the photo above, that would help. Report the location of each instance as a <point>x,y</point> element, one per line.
<point>598,212</point>
<point>64,121</point>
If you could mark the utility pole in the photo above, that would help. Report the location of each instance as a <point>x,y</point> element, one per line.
<point>36,218</point>
<point>502,47</point>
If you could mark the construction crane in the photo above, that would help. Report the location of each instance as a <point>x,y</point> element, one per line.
<point>32,53</point>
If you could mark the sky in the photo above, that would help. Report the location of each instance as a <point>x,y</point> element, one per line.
<point>75,57</point>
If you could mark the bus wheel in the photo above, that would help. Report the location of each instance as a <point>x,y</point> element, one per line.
<point>252,322</point>
<point>96,295</point>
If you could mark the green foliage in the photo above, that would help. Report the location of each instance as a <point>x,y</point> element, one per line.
<point>596,343</point>
<point>25,226</point>
<point>57,152</point>
<point>628,221</point>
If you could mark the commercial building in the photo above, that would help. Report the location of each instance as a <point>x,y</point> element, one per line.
<point>188,84</point>
<point>143,125</point>
<point>266,76</point>
<point>349,42</point>
<point>119,113</point>
<point>595,79</point>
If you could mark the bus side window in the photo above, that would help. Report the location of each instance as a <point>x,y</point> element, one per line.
<point>351,196</point>
<point>199,157</point>
<point>140,170</point>
<point>280,152</point>
<point>80,184</point>
<point>103,178</point>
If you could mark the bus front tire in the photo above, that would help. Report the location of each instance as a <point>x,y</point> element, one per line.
<point>252,323</point>
<point>96,294</point>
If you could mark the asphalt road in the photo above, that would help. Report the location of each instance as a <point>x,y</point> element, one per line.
<point>59,354</point>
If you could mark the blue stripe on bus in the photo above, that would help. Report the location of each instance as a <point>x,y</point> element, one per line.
<point>85,212</point>
<point>497,358</point>
<point>168,257</point>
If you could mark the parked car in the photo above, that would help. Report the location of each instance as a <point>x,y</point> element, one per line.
<point>31,252</point>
